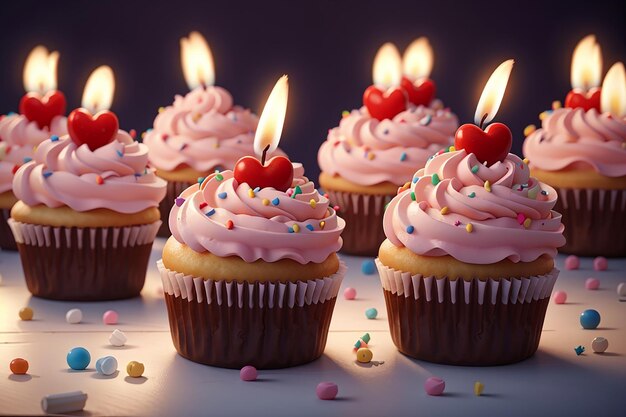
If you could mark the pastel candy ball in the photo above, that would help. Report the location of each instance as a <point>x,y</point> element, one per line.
<point>589,319</point>
<point>600,263</point>
<point>74,316</point>
<point>560,297</point>
<point>368,267</point>
<point>371,313</point>
<point>78,358</point>
<point>19,366</point>
<point>117,338</point>
<point>621,289</point>
<point>106,365</point>
<point>572,262</point>
<point>135,369</point>
<point>327,390</point>
<point>349,293</point>
<point>364,355</point>
<point>434,386</point>
<point>248,373</point>
<point>599,344</point>
<point>26,313</point>
<point>110,317</point>
<point>592,283</point>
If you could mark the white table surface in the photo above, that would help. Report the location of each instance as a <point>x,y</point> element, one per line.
<point>554,382</point>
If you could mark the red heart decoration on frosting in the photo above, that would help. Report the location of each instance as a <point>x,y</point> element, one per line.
<point>422,94</point>
<point>43,109</point>
<point>382,105</point>
<point>95,131</point>
<point>277,173</point>
<point>491,145</point>
<point>590,100</point>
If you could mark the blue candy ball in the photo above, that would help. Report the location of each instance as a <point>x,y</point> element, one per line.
<point>368,267</point>
<point>371,313</point>
<point>589,319</point>
<point>78,358</point>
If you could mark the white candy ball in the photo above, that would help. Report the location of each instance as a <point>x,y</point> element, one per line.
<point>621,290</point>
<point>599,345</point>
<point>117,338</point>
<point>74,316</point>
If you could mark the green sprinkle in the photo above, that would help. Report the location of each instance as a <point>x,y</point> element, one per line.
<point>200,180</point>
<point>219,177</point>
<point>435,179</point>
<point>472,195</point>
<point>412,196</point>
<point>475,168</point>
<point>296,191</point>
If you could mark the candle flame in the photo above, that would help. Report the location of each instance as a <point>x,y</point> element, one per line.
<point>99,89</point>
<point>197,60</point>
<point>418,59</point>
<point>272,118</point>
<point>387,68</point>
<point>613,95</point>
<point>40,70</point>
<point>586,70</point>
<point>492,94</point>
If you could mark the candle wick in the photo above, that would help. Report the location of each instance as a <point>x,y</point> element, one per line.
<point>482,121</point>
<point>264,154</point>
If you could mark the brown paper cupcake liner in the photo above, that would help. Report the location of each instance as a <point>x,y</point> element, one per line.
<point>84,264</point>
<point>174,188</point>
<point>363,214</point>
<point>7,241</point>
<point>458,322</point>
<point>263,324</point>
<point>595,221</point>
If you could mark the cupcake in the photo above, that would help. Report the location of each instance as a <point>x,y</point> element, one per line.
<point>86,217</point>
<point>198,134</point>
<point>468,265</point>
<point>19,136</point>
<point>251,275</point>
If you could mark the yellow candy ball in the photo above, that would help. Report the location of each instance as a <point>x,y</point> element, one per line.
<point>364,355</point>
<point>26,313</point>
<point>135,369</point>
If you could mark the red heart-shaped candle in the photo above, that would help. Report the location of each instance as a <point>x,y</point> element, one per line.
<point>95,131</point>
<point>384,105</point>
<point>277,173</point>
<point>490,145</point>
<point>422,94</point>
<point>577,98</point>
<point>43,109</point>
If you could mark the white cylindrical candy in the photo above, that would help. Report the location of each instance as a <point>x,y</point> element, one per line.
<point>74,316</point>
<point>66,402</point>
<point>117,338</point>
<point>106,365</point>
<point>621,290</point>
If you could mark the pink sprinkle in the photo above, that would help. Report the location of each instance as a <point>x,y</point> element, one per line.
<point>325,195</point>
<point>560,297</point>
<point>336,208</point>
<point>592,283</point>
<point>521,218</point>
<point>457,223</point>
<point>248,373</point>
<point>349,293</point>
<point>110,317</point>
<point>434,386</point>
<point>600,263</point>
<point>572,262</point>
<point>327,390</point>
<point>179,201</point>
<point>290,192</point>
<point>133,133</point>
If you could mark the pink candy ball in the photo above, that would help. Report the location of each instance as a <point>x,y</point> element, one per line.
<point>600,263</point>
<point>434,386</point>
<point>592,283</point>
<point>349,293</point>
<point>572,262</point>
<point>327,390</point>
<point>110,317</point>
<point>248,373</point>
<point>560,297</point>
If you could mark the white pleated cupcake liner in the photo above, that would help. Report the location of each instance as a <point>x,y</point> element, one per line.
<point>512,289</point>
<point>588,194</point>
<point>279,294</point>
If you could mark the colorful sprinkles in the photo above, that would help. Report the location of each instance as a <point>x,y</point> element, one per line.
<point>179,201</point>
<point>472,194</point>
<point>529,129</point>
<point>313,203</point>
<point>265,202</point>
<point>47,174</point>
<point>276,201</point>
<point>403,157</point>
<point>230,225</point>
<point>322,224</point>
<point>444,210</point>
<point>99,180</point>
<point>410,229</point>
<point>54,138</point>
<point>210,212</point>
<point>488,186</point>
<point>435,179</point>
<point>469,228</point>
<point>219,177</point>
<point>222,195</point>
<point>475,168</point>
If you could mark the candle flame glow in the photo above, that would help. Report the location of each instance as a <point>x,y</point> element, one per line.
<point>586,71</point>
<point>40,70</point>
<point>387,68</point>
<point>492,94</point>
<point>197,61</point>
<point>272,118</point>
<point>418,59</point>
<point>613,95</point>
<point>99,89</point>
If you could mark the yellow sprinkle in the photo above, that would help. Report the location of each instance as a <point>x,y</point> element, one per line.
<point>296,228</point>
<point>525,160</point>
<point>478,388</point>
<point>251,192</point>
<point>529,129</point>
<point>451,149</point>
<point>371,156</point>
<point>143,135</point>
<point>488,186</point>
<point>556,104</point>
<point>543,115</point>
<point>527,222</point>
<point>322,224</point>
<point>216,145</point>
<point>469,228</point>
<point>444,210</point>
<point>161,109</point>
<point>313,203</point>
<point>196,117</point>
<point>345,113</point>
<point>266,202</point>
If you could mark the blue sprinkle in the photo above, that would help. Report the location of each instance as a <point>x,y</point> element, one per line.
<point>544,192</point>
<point>222,195</point>
<point>415,180</point>
<point>138,174</point>
<point>200,180</point>
<point>290,229</point>
<point>371,313</point>
<point>386,131</point>
<point>276,201</point>
<point>257,189</point>
<point>149,130</point>
<point>310,227</point>
<point>368,267</point>
<point>27,159</point>
<point>210,213</point>
<point>403,156</point>
<point>119,153</point>
<point>11,113</point>
<point>54,138</point>
<point>46,174</point>
<point>410,229</point>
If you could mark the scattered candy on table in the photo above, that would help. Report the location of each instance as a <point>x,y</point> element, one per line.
<point>349,293</point>
<point>106,365</point>
<point>359,344</point>
<point>560,297</point>
<point>78,358</point>
<point>621,290</point>
<point>327,390</point>
<point>589,319</point>
<point>74,316</point>
<point>67,402</point>
<point>364,355</point>
<point>117,338</point>
<point>478,388</point>
<point>579,350</point>
<point>135,369</point>
<point>371,313</point>
<point>366,338</point>
<point>592,283</point>
<point>600,263</point>
<point>434,386</point>
<point>110,317</point>
<point>248,373</point>
<point>19,366</point>
<point>599,344</point>
<point>368,267</point>
<point>26,313</point>
<point>572,262</point>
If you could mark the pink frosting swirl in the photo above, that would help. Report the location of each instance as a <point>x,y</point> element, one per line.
<point>267,224</point>
<point>20,136</point>
<point>63,173</point>
<point>367,151</point>
<point>573,138</point>
<point>456,181</point>
<point>202,130</point>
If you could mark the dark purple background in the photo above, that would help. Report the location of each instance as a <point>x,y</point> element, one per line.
<point>325,46</point>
